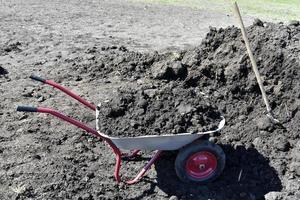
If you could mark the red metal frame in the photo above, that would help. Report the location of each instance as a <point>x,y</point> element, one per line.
<point>145,168</point>
<point>71,94</point>
<point>131,155</point>
<point>94,132</point>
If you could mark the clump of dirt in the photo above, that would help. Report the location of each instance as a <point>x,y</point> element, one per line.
<point>10,47</point>
<point>167,108</point>
<point>3,71</point>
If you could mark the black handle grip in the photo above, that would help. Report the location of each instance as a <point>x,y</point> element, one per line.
<point>34,77</point>
<point>26,109</point>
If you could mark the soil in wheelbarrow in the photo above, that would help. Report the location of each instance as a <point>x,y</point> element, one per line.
<point>159,108</point>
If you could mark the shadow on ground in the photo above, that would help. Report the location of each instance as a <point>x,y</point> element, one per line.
<point>257,177</point>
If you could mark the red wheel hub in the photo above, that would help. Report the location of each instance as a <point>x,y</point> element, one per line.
<point>201,165</point>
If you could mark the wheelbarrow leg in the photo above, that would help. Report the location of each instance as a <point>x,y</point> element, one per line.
<point>145,168</point>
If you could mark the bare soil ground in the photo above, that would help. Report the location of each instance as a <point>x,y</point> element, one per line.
<point>68,41</point>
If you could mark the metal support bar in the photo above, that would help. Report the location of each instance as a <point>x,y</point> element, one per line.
<point>145,168</point>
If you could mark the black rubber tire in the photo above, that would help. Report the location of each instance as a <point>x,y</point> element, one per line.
<point>198,146</point>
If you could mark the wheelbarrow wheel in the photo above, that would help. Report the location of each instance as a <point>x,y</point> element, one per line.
<point>200,161</point>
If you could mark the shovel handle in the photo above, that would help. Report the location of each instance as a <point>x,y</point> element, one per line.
<point>250,54</point>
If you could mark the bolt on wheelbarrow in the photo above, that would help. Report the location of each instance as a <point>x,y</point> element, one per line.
<point>197,161</point>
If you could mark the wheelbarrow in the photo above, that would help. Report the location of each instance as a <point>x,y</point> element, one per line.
<point>198,160</point>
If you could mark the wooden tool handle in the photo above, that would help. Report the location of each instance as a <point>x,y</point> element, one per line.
<point>253,62</point>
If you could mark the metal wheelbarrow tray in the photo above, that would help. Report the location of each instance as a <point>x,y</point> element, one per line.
<point>197,161</point>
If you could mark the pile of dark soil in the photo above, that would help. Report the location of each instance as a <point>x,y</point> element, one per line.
<point>157,109</point>
<point>220,68</point>
<point>147,92</point>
